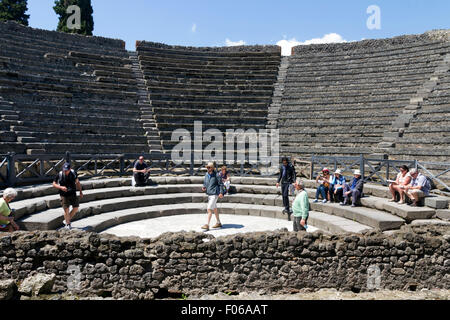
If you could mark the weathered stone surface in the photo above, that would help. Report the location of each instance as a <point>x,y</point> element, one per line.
<point>37,284</point>
<point>7,289</point>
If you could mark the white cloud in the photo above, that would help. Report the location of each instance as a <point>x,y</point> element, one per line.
<point>230,43</point>
<point>286,45</point>
<point>194,27</point>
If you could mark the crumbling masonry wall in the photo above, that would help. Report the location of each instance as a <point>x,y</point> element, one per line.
<point>197,263</point>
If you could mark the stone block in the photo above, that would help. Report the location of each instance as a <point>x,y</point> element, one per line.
<point>436,202</point>
<point>443,214</point>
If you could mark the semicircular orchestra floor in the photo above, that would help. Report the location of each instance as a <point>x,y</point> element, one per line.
<point>232,224</point>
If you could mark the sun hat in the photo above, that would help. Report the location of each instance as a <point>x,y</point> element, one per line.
<point>338,171</point>
<point>357,172</point>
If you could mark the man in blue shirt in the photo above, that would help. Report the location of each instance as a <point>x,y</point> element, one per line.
<point>337,186</point>
<point>214,188</point>
<point>419,187</point>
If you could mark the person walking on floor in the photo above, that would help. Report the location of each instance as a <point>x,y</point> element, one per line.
<point>66,181</point>
<point>214,188</point>
<point>287,177</point>
<point>300,207</point>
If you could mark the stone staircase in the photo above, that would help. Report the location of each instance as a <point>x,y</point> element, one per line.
<point>109,202</point>
<point>415,104</point>
<point>274,108</point>
<point>145,106</point>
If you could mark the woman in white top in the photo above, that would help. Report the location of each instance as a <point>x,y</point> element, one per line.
<point>403,179</point>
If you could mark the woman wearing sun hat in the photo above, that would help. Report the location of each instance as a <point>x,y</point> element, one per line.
<point>324,185</point>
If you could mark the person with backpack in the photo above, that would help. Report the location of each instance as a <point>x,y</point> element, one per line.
<point>418,188</point>
<point>214,188</point>
<point>67,183</point>
<point>225,175</point>
<point>287,177</point>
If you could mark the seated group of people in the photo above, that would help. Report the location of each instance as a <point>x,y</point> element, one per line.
<point>411,183</point>
<point>334,188</point>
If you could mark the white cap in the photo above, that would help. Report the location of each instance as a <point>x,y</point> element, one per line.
<point>357,172</point>
<point>338,171</point>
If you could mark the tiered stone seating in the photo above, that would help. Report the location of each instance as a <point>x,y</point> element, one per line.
<point>428,134</point>
<point>225,88</point>
<point>70,93</point>
<point>339,99</point>
<point>109,202</point>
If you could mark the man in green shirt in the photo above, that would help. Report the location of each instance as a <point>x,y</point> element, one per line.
<point>300,207</point>
<point>7,223</point>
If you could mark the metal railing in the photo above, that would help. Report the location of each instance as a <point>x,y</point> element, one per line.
<point>18,169</point>
<point>379,170</point>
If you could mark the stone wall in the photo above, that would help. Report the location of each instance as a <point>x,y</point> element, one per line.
<point>12,26</point>
<point>434,35</point>
<point>247,48</point>
<point>197,263</point>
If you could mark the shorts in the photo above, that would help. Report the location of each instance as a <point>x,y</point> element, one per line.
<point>212,202</point>
<point>419,193</point>
<point>68,201</point>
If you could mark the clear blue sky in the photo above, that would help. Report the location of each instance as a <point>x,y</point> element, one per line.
<point>211,22</point>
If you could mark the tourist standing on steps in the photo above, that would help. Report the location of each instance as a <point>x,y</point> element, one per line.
<point>300,207</point>
<point>213,186</point>
<point>67,183</point>
<point>141,173</point>
<point>225,175</point>
<point>354,189</point>
<point>286,177</point>
<point>7,223</point>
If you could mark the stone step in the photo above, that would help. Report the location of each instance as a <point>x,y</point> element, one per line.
<point>367,216</point>
<point>402,210</point>
<point>335,224</point>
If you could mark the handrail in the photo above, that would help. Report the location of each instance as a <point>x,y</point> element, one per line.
<point>379,168</point>
<point>29,169</point>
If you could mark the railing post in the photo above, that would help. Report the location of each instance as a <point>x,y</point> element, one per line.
<point>11,170</point>
<point>191,164</point>
<point>361,165</point>
<point>388,165</point>
<point>67,157</point>
<point>122,166</point>
<point>311,173</point>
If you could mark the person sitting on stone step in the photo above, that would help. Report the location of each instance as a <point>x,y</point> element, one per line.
<point>418,188</point>
<point>354,189</point>
<point>141,172</point>
<point>324,186</point>
<point>7,223</point>
<point>337,186</point>
<point>403,179</point>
